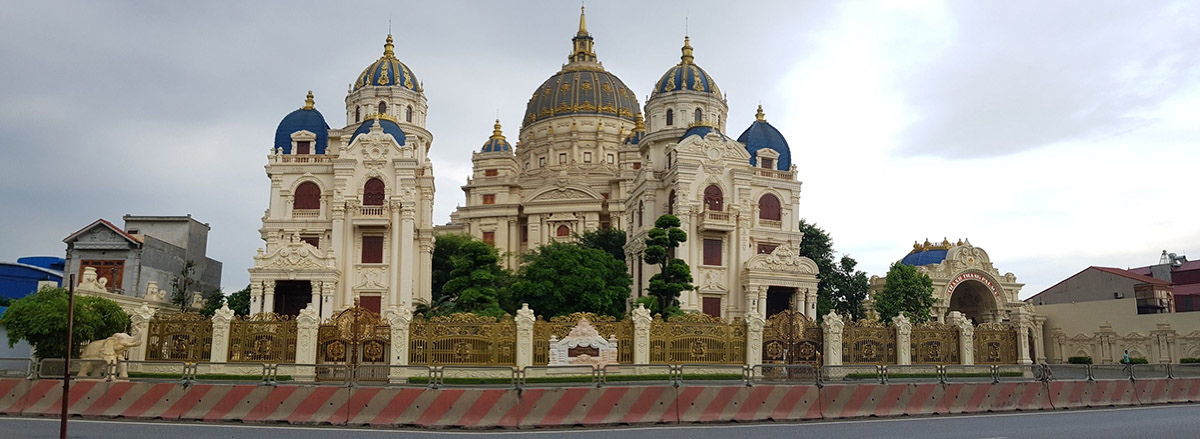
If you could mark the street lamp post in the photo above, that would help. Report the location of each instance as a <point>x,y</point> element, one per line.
<point>62,430</point>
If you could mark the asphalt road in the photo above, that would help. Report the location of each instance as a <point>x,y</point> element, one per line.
<point>1173,421</point>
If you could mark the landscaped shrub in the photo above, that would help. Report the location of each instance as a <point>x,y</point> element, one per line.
<point>1080,360</point>
<point>1189,360</point>
<point>1138,360</point>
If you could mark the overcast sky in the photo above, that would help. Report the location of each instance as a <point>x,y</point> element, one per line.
<point>1055,135</point>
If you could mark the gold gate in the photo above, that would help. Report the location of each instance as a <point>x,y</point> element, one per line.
<point>463,338</point>
<point>262,338</point>
<point>354,337</point>
<point>184,336</point>
<point>560,326</point>
<point>869,342</point>
<point>697,338</point>
<point>790,337</point>
<point>995,343</point>
<point>934,343</point>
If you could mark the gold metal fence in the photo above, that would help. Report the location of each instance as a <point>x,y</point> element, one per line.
<point>790,337</point>
<point>463,339</point>
<point>934,343</point>
<point>995,343</point>
<point>869,342</point>
<point>697,338</point>
<point>560,326</point>
<point>262,338</point>
<point>179,337</point>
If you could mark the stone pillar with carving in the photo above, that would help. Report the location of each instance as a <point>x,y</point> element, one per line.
<point>966,337</point>
<point>641,335</point>
<point>268,304</point>
<point>833,326</point>
<point>140,321</point>
<point>399,318</point>
<point>1163,338</point>
<point>327,291</point>
<point>903,339</point>
<point>525,319</point>
<point>810,309</point>
<point>1021,319</point>
<point>1105,339</point>
<point>256,294</point>
<point>754,338</point>
<point>220,334</point>
<point>1039,342</point>
<point>1059,338</point>
<point>306,343</point>
<point>405,271</point>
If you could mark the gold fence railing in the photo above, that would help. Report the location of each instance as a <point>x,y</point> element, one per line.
<point>995,343</point>
<point>697,338</point>
<point>560,326</point>
<point>179,337</point>
<point>934,343</point>
<point>463,339</point>
<point>262,338</point>
<point>868,342</point>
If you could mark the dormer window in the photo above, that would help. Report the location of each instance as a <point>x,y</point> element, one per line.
<point>767,163</point>
<point>303,148</point>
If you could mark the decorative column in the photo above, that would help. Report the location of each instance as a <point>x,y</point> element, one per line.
<point>903,339</point>
<point>306,343</point>
<point>220,334</point>
<point>754,338</point>
<point>406,249</point>
<point>256,296</point>
<point>1163,337</point>
<point>327,291</point>
<point>810,308</point>
<point>140,320</point>
<point>1039,342</point>
<point>394,263</point>
<point>1021,318</point>
<point>641,335</point>
<point>399,318</point>
<point>1105,337</point>
<point>966,337</point>
<point>268,304</point>
<point>315,288</point>
<point>833,326</point>
<point>525,319</point>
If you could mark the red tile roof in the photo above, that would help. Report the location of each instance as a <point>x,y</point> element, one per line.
<point>1131,275</point>
<point>106,223</point>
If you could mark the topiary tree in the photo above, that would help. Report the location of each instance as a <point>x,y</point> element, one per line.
<point>562,278</point>
<point>674,274</point>
<point>908,291</point>
<point>239,301</point>
<point>41,319</point>
<point>477,282</point>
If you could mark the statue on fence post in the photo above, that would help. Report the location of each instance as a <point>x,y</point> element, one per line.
<point>110,351</point>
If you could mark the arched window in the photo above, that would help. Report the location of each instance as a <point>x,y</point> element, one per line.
<point>373,192</point>
<point>671,202</point>
<point>408,114</point>
<point>382,107</point>
<point>308,196</point>
<point>563,231</point>
<point>699,115</point>
<point>641,212</point>
<point>357,114</point>
<point>713,199</point>
<point>670,117</point>
<point>768,208</point>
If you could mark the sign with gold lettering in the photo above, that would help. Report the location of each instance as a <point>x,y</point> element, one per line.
<point>975,276</point>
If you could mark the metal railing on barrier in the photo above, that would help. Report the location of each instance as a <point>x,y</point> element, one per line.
<point>712,374</point>
<point>850,374</point>
<point>307,373</point>
<point>476,376</point>
<point>560,376</point>
<point>784,374</point>
<point>385,375</point>
<point>11,367</point>
<point>911,373</point>
<point>637,374</point>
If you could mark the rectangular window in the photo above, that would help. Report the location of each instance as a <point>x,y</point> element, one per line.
<point>611,159</point>
<point>712,306</point>
<point>712,252</point>
<point>489,238</point>
<point>767,163</point>
<point>637,165</point>
<point>113,270</point>
<point>541,162</point>
<point>302,148</point>
<point>489,199</point>
<point>526,166</point>
<point>525,233</point>
<point>312,240</point>
<point>372,249</point>
<point>587,157</point>
<point>490,172</point>
<point>766,249</point>
<point>562,159</point>
<point>371,303</point>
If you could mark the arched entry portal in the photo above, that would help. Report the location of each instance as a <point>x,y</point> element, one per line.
<point>975,301</point>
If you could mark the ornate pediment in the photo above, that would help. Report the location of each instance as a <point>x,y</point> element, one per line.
<point>101,237</point>
<point>785,258</point>
<point>293,254</point>
<point>562,193</point>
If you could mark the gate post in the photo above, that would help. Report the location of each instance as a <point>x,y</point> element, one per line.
<point>220,337</point>
<point>140,321</point>
<point>966,338</point>
<point>903,339</point>
<point>754,338</point>
<point>1022,319</point>
<point>524,319</point>
<point>398,318</point>
<point>306,343</point>
<point>833,325</point>
<point>641,335</point>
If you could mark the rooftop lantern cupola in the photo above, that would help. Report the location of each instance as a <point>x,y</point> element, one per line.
<point>583,42</point>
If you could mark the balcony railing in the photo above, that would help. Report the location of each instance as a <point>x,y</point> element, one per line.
<point>716,220</point>
<point>306,213</point>
<point>771,173</point>
<point>770,224</point>
<point>291,158</point>
<point>371,211</point>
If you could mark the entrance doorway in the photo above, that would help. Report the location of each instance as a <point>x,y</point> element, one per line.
<point>779,299</point>
<point>291,296</point>
<point>974,300</point>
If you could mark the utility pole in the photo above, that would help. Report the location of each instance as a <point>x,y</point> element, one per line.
<point>62,430</point>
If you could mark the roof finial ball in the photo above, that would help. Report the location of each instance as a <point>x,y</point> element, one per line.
<point>760,116</point>
<point>389,49</point>
<point>687,57</point>
<point>308,101</point>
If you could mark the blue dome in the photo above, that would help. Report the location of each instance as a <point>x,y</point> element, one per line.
<point>497,143</point>
<point>924,257</point>
<point>686,76</point>
<point>388,71</point>
<point>762,135</point>
<point>304,119</point>
<point>389,127</point>
<point>701,130</point>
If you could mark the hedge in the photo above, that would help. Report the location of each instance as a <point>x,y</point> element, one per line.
<point>1080,360</point>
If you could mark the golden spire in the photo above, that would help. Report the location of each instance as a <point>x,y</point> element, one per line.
<point>388,48</point>
<point>582,42</point>
<point>496,131</point>
<point>687,50</point>
<point>760,116</point>
<point>582,22</point>
<point>308,101</point>
<point>639,124</point>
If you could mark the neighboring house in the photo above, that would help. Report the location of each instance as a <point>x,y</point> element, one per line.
<point>18,279</point>
<point>1184,274</point>
<point>145,256</point>
<point>1154,296</point>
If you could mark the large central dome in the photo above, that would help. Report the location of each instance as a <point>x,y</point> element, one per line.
<point>581,87</point>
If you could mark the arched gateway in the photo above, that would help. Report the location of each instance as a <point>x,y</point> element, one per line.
<point>964,280</point>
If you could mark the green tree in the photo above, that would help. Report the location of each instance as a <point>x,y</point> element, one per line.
<point>41,319</point>
<point>444,247</point>
<point>839,286</point>
<point>477,282</point>
<point>212,303</point>
<point>562,278</point>
<point>608,239</point>
<point>674,275</point>
<point>181,284</point>
<point>908,291</point>
<point>239,301</point>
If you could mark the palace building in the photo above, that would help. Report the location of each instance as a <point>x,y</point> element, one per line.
<point>350,216</point>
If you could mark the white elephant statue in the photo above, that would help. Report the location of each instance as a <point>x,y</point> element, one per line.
<point>110,351</point>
